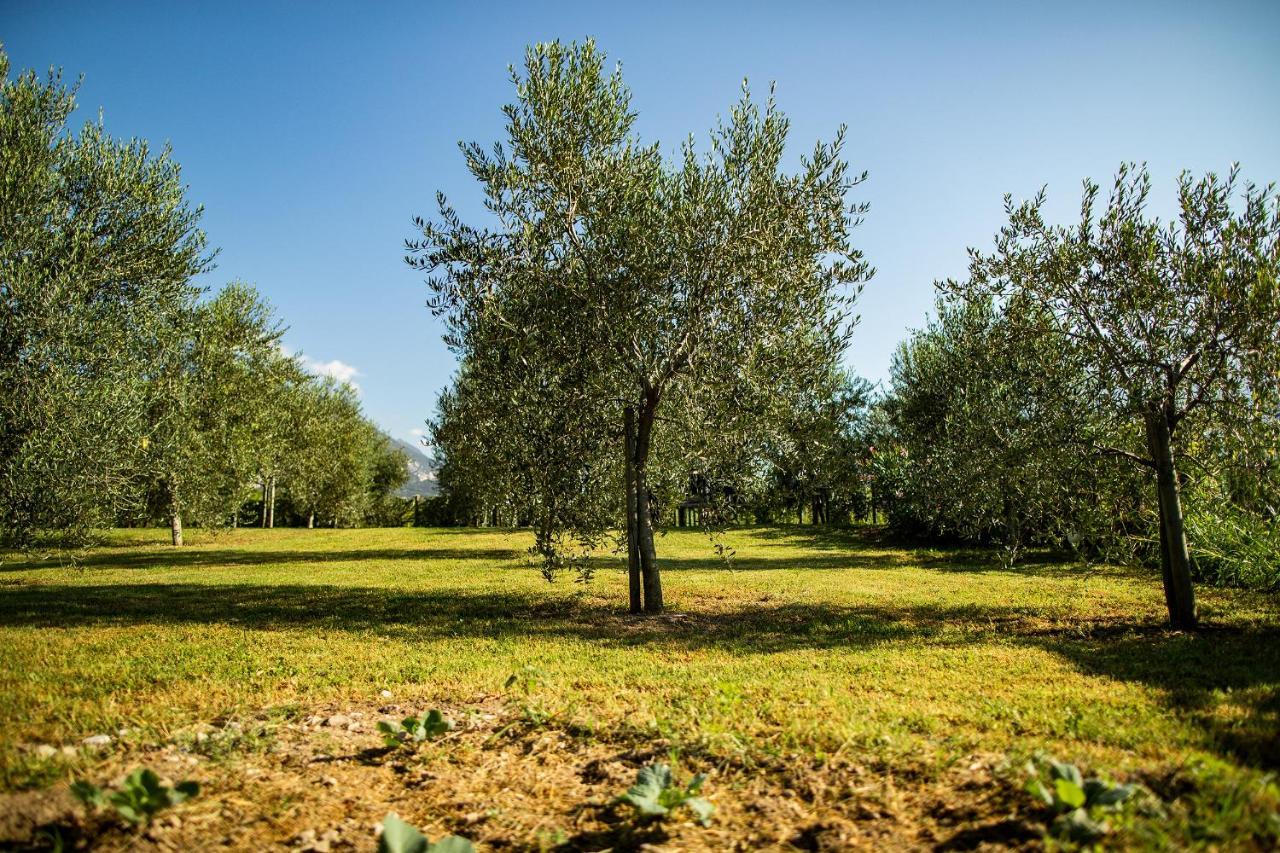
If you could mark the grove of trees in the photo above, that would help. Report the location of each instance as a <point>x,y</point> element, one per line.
<point>677,328</point>
<point>126,395</point>
<point>646,337</point>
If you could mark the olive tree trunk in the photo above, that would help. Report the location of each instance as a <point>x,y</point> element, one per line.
<point>629,480</point>
<point>271,502</point>
<point>651,580</point>
<point>175,527</point>
<point>1175,559</point>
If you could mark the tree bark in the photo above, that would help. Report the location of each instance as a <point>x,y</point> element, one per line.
<point>265,490</point>
<point>175,527</point>
<point>1166,570</point>
<point>651,580</point>
<point>1179,592</point>
<point>271,502</point>
<point>311,519</point>
<point>629,480</point>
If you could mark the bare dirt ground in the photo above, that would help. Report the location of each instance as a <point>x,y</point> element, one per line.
<point>324,779</point>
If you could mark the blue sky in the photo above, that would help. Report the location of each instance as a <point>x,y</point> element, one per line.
<point>312,132</point>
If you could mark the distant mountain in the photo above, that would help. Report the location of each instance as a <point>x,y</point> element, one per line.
<point>422,472</point>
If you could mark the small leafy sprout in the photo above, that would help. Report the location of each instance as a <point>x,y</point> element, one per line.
<point>1078,803</point>
<point>526,679</point>
<point>655,795</point>
<point>413,731</point>
<point>140,797</point>
<point>400,837</point>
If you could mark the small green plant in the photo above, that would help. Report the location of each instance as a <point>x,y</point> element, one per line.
<point>139,798</point>
<point>526,681</point>
<point>1080,804</point>
<point>655,795</point>
<point>414,730</point>
<point>401,837</point>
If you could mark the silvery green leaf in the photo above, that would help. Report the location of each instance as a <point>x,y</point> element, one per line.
<point>399,837</point>
<point>702,808</point>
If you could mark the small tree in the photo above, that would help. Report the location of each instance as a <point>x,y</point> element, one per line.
<point>327,467</point>
<point>204,402</point>
<point>388,467</point>
<point>989,411</point>
<point>817,456</point>
<point>1175,322</point>
<point>620,285</point>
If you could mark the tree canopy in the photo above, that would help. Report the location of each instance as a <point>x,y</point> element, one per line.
<point>611,284</point>
<point>1175,323</point>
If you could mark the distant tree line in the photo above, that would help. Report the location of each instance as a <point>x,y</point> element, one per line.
<point>126,394</point>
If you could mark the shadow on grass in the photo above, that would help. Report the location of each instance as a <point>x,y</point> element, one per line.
<point>844,559</point>
<point>1196,673</point>
<point>196,557</point>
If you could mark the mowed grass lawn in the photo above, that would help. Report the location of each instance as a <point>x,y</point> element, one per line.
<point>808,649</point>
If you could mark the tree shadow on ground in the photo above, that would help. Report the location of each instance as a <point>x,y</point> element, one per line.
<point>852,554</point>
<point>1199,674</point>
<point>201,557</point>
<point>864,547</point>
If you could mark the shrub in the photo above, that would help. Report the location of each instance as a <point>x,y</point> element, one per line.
<point>1079,804</point>
<point>413,730</point>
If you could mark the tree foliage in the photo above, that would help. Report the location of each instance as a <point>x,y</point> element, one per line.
<point>1174,323</point>
<point>994,432</point>
<point>98,246</point>
<point>613,281</point>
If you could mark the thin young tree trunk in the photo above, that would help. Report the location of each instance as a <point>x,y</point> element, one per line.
<point>651,580</point>
<point>271,502</point>
<point>265,491</point>
<point>311,519</point>
<point>1179,592</point>
<point>629,480</point>
<point>175,527</point>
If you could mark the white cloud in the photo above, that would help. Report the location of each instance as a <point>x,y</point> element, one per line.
<point>417,433</point>
<point>336,369</point>
<point>339,370</point>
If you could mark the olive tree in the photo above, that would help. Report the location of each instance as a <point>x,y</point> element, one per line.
<point>98,248</point>
<point>988,410</point>
<point>632,285</point>
<point>205,402</point>
<point>327,468</point>
<point>1176,322</point>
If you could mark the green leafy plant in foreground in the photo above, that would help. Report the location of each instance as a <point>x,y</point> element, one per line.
<point>139,798</point>
<point>655,795</point>
<point>414,730</point>
<point>1080,804</point>
<point>400,837</point>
